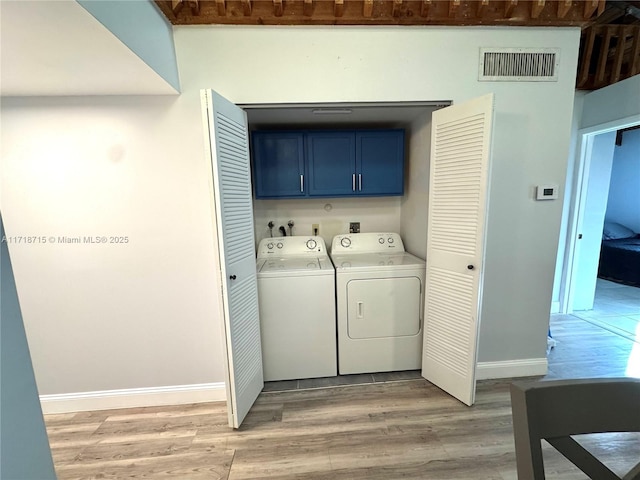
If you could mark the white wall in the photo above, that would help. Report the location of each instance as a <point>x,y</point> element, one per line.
<point>600,153</point>
<point>624,195</point>
<point>612,104</point>
<point>415,202</point>
<point>145,314</point>
<point>111,316</point>
<point>375,214</point>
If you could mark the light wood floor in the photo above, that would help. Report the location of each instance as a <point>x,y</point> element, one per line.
<point>401,429</point>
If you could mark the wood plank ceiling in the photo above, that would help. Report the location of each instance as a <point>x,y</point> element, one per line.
<point>609,48</point>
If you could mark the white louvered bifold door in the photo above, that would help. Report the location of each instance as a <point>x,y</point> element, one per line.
<point>228,144</point>
<point>460,154</point>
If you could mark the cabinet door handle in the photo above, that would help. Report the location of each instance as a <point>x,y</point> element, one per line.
<point>302,183</point>
<point>360,182</point>
<point>353,182</point>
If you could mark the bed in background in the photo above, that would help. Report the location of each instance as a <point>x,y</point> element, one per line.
<point>620,255</point>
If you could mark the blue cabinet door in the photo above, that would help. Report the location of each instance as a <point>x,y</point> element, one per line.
<point>380,162</point>
<point>278,169</point>
<point>331,163</point>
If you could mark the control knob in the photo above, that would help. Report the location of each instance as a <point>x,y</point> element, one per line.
<point>381,241</point>
<point>279,245</point>
<point>345,242</point>
<point>269,246</point>
<point>390,240</point>
<point>311,244</point>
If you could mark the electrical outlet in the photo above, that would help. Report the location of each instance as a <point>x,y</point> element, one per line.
<point>315,229</point>
<point>354,227</point>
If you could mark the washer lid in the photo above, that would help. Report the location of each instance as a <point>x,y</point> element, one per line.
<point>376,260</point>
<point>289,264</point>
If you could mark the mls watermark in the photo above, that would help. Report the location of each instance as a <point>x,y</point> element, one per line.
<point>65,239</point>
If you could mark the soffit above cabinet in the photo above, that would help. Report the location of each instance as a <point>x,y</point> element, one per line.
<point>339,115</point>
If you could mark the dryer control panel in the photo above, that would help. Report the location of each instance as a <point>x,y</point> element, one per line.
<point>367,243</point>
<point>291,246</point>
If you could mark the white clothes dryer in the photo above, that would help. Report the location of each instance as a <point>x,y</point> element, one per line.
<point>296,298</point>
<point>380,300</point>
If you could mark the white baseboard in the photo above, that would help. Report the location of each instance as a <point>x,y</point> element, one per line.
<point>133,397</point>
<point>528,367</point>
<point>555,307</point>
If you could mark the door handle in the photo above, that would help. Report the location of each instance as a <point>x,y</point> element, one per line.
<point>360,310</point>
<point>360,182</point>
<point>353,182</point>
<point>232,277</point>
<point>301,183</point>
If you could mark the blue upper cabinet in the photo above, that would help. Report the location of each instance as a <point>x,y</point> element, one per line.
<point>323,163</point>
<point>331,163</point>
<point>278,164</point>
<point>380,162</point>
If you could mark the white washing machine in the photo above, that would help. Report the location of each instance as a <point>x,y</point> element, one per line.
<point>296,297</point>
<point>380,298</point>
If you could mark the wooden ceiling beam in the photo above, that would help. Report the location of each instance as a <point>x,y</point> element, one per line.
<point>604,55</point>
<point>508,8</point>
<point>590,6</point>
<point>387,12</point>
<point>278,9</point>
<point>481,7</point>
<point>585,60</point>
<point>176,6</point>
<point>397,8</point>
<point>634,63</point>
<point>425,8</point>
<point>618,57</point>
<point>222,8</point>
<point>454,5</point>
<point>563,8</point>
<point>367,8</point>
<point>609,15</point>
<point>246,7</point>
<point>307,9</point>
<point>537,7</point>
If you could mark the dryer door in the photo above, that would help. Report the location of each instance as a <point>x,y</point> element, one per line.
<point>383,307</point>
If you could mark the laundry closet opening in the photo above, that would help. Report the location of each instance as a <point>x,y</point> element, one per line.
<point>404,214</point>
<point>312,325</point>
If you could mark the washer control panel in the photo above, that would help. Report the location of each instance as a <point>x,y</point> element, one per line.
<point>289,246</point>
<point>367,243</point>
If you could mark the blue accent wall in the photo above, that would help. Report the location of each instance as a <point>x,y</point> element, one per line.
<point>142,28</point>
<point>24,445</point>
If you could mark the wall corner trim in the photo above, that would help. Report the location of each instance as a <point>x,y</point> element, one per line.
<point>527,367</point>
<point>133,397</point>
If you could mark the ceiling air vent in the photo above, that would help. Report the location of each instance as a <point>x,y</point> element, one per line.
<point>519,64</point>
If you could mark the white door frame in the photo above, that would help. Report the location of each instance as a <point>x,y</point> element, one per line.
<point>581,169</point>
